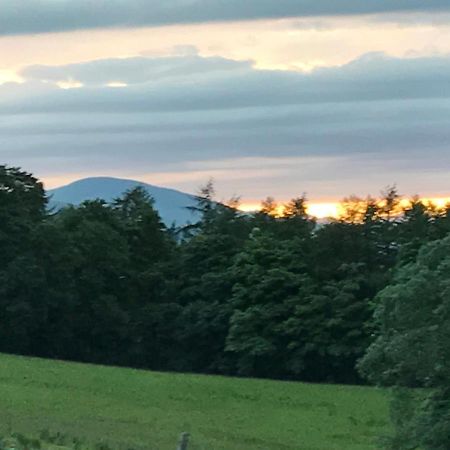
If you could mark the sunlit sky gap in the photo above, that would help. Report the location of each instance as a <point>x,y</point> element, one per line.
<point>278,98</point>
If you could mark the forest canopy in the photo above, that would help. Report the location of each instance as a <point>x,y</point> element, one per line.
<point>262,294</point>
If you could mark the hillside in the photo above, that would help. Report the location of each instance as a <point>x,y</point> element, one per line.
<point>131,408</point>
<point>171,204</point>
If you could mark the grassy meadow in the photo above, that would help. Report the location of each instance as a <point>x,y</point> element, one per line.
<point>130,408</point>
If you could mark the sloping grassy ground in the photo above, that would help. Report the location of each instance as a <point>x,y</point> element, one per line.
<point>130,408</point>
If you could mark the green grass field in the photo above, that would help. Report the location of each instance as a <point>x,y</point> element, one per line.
<point>131,408</point>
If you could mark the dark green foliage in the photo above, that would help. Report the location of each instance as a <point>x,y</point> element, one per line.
<point>259,295</point>
<point>412,349</point>
<point>22,206</point>
<point>22,281</point>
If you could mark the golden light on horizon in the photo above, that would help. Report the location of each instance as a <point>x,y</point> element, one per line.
<point>320,210</point>
<point>439,202</point>
<point>323,210</point>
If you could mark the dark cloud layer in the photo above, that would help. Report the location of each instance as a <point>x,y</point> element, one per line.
<point>40,16</point>
<point>376,117</point>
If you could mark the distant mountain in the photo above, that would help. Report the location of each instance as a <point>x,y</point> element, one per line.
<point>171,204</point>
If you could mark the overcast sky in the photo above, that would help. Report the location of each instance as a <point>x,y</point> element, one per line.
<point>269,97</point>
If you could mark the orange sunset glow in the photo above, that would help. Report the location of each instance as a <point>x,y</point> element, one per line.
<point>320,210</point>
<point>323,210</point>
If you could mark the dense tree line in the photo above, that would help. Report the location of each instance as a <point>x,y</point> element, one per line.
<point>244,294</point>
<point>412,350</point>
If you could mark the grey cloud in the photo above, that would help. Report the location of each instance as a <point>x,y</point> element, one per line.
<point>40,16</point>
<point>133,70</point>
<point>373,77</point>
<point>375,108</point>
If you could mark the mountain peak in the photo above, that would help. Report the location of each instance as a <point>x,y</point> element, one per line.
<point>171,204</point>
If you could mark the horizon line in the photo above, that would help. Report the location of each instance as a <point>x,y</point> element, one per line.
<point>320,208</point>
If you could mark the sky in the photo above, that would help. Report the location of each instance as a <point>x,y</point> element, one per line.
<point>267,97</point>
